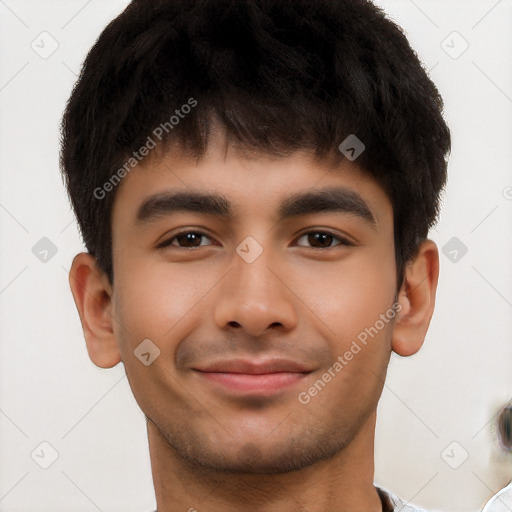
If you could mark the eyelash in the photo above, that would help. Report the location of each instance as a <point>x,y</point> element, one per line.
<point>167,243</point>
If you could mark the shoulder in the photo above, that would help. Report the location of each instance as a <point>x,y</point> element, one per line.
<point>393,503</point>
<point>501,501</point>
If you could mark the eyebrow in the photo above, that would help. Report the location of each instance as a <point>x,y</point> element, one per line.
<point>336,200</point>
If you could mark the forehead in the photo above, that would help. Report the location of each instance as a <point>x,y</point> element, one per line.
<point>233,185</point>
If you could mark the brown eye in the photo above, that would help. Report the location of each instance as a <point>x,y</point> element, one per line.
<point>185,240</point>
<point>323,239</point>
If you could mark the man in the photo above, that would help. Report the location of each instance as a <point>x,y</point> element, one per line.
<point>254,182</point>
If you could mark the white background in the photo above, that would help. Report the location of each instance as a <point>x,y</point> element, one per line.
<point>448,393</point>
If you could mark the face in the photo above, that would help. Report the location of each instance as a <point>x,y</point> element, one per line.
<point>256,282</point>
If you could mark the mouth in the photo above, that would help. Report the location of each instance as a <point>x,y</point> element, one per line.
<point>261,384</point>
<point>256,378</point>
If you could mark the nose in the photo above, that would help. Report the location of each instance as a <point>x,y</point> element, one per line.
<point>256,296</point>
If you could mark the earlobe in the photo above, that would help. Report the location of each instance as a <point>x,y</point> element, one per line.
<point>92,294</point>
<point>417,300</point>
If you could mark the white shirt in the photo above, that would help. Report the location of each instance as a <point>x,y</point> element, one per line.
<point>499,502</point>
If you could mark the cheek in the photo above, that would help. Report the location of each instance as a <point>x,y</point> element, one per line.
<point>356,305</point>
<point>350,296</point>
<point>157,301</point>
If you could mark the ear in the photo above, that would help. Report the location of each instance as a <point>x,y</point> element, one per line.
<point>93,298</point>
<point>417,299</point>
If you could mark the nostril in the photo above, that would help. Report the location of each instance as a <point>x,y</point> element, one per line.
<point>505,427</point>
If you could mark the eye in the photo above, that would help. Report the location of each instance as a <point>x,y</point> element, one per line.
<point>323,239</point>
<point>190,239</point>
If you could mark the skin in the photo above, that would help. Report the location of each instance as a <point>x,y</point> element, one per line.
<point>211,450</point>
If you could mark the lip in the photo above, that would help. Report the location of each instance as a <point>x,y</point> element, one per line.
<point>255,367</point>
<point>256,378</point>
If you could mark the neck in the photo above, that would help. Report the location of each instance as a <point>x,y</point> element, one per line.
<point>341,483</point>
